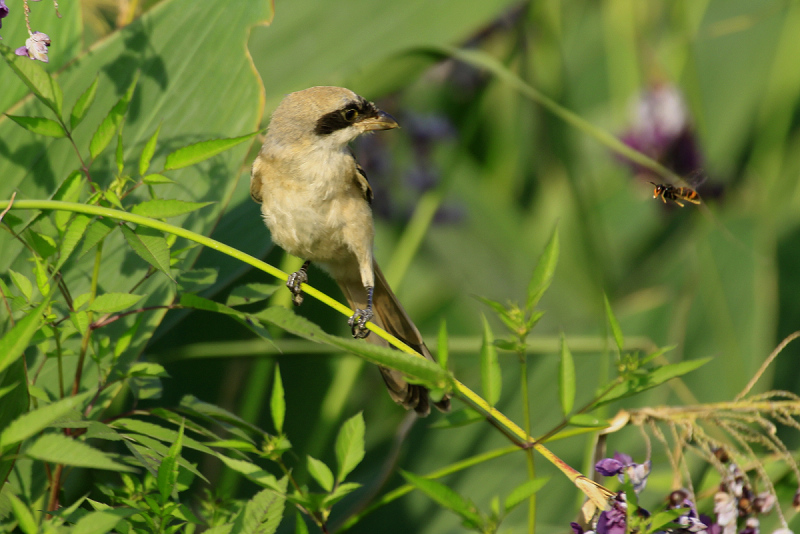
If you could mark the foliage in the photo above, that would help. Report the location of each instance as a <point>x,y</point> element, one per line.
<point>124,392</point>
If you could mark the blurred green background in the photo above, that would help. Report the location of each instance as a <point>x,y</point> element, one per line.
<point>500,172</point>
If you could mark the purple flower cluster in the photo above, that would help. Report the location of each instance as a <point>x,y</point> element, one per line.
<point>734,501</point>
<point>3,12</point>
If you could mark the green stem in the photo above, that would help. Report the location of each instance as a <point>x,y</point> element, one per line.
<point>526,409</point>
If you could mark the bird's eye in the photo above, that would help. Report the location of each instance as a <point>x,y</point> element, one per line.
<point>350,114</point>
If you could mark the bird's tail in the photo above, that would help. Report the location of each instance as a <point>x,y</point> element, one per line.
<point>390,315</point>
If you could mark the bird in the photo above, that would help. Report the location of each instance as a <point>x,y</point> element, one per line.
<point>315,199</point>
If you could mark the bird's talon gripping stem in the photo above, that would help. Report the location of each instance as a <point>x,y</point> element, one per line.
<point>358,321</point>
<point>296,279</point>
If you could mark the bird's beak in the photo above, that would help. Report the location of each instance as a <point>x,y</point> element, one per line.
<point>383,121</point>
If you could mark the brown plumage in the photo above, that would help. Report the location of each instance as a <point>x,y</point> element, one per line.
<point>315,199</point>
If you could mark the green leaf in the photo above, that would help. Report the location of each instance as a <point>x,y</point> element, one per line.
<point>114,302</point>
<point>523,492</point>
<point>587,420</point>
<point>339,492</point>
<point>660,520</point>
<point>566,378</point>
<point>14,399</point>
<point>112,198</point>
<point>83,104</point>
<point>321,473</point>
<point>612,321</point>
<point>277,402</point>
<point>156,179</point>
<point>69,191</point>
<point>101,521</point>
<point>98,230</point>
<point>441,347</point>
<point>44,245</point>
<point>196,279</point>
<point>263,513</point>
<point>38,80</point>
<point>491,377</point>
<point>26,522</point>
<point>33,422</point>
<point>59,449</point>
<point>651,379</point>
<point>543,272</point>
<point>251,471</point>
<point>350,446</point>
<point>111,123</point>
<point>14,342</point>
<point>414,366</point>
<point>447,498</point>
<point>168,470</point>
<point>251,293</point>
<point>22,283</point>
<point>150,245</point>
<point>164,209</point>
<point>119,156</point>
<point>147,155</point>
<point>72,237</point>
<point>300,526</point>
<point>39,125</point>
<point>197,152</point>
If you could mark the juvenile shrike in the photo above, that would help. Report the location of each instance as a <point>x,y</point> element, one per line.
<point>315,199</point>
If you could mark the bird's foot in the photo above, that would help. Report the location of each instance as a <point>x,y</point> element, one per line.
<point>294,282</point>
<point>358,322</point>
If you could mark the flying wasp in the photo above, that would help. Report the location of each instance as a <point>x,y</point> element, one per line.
<point>675,194</point>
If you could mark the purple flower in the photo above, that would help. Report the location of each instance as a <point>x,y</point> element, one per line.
<point>622,464</point>
<point>3,12</point>
<point>613,521</point>
<point>577,529</point>
<point>35,47</point>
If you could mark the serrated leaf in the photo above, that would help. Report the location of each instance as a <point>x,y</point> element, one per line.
<point>651,379</point>
<point>59,449</point>
<point>83,104</point>
<point>155,179</point>
<point>251,293</point>
<point>164,209</point>
<point>80,320</point>
<point>147,154</point>
<point>168,470</point>
<point>25,520</point>
<point>39,125</point>
<point>523,492</point>
<point>263,513</point>
<point>22,283</point>
<point>491,377</point>
<point>446,498</point>
<point>33,422</point>
<point>543,272</point>
<point>14,342</point>
<point>442,352</point>
<point>612,321</point>
<point>197,152</point>
<point>566,378</point>
<point>114,302</point>
<point>38,80</point>
<point>112,121</point>
<point>72,237</point>
<point>321,473</point>
<point>350,446</point>
<point>150,245</point>
<point>42,275</point>
<point>44,245</point>
<point>69,191</point>
<point>277,402</point>
<point>98,230</point>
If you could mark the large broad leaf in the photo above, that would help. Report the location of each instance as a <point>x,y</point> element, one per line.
<point>172,47</point>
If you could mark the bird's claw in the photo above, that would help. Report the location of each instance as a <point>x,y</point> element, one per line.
<point>358,323</point>
<point>294,282</point>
